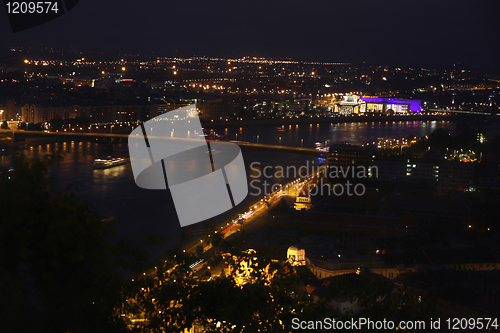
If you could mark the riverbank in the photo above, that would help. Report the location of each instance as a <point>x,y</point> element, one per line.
<point>336,119</point>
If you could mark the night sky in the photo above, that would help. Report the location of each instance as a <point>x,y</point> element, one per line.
<point>427,32</point>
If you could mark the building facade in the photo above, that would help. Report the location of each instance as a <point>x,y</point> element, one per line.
<point>349,104</point>
<point>7,109</point>
<point>348,155</point>
<point>296,255</point>
<point>446,175</point>
<point>352,104</point>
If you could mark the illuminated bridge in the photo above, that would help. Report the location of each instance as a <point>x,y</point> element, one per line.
<point>123,138</point>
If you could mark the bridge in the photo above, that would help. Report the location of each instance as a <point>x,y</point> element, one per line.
<point>109,138</point>
<point>466,112</point>
<point>246,146</point>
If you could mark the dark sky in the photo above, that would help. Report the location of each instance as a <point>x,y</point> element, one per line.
<point>440,32</point>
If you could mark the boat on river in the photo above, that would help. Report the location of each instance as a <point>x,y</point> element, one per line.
<point>108,162</point>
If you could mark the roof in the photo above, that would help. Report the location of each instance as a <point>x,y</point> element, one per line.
<point>294,248</point>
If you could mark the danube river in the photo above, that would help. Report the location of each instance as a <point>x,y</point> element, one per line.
<point>306,135</point>
<point>138,212</point>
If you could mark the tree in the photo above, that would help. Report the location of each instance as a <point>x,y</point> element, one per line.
<point>34,127</point>
<point>199,250</point>
<point>183,237</point>
<point>171,300</point>
<point>58,271</point>
<point>216,239</point>
<point>56,124</point>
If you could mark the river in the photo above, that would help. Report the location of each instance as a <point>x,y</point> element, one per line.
<point>139,212</point>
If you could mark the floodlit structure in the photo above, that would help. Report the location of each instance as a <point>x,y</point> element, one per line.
<point>390,105</point>
<point>296,255</point>
<point>349,104</point>
<point>352,104</point>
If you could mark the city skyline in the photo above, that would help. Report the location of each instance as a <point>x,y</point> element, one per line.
<point>424,33</point>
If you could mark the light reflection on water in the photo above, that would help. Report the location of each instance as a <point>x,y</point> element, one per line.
<point>308,134</point>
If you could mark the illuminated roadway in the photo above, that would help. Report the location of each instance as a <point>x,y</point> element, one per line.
<point>252,215</point>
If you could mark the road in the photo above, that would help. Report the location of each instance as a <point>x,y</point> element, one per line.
<point>252,218</point>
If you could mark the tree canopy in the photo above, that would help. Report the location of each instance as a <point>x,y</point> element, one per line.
<point>58,271</point>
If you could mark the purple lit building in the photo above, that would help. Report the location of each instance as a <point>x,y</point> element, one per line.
<point>389,105</point>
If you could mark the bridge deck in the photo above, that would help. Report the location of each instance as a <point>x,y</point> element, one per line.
<point>245,146</point>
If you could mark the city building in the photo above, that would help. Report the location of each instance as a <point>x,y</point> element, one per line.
<point>216,110</point>
<point>352,104</point>
<point>160,108</point>
<point>40,114</point>
<point>332,267</point>
<point>394,264</point>
<point>389,105</point>
<point>28,113</point>
<point>32,113</point>
<point>348,155</point>
<point>349,104</point>
<point>296,255</point>
<point>303,199</point>
<point>446,175</point>
<point>7,109</point>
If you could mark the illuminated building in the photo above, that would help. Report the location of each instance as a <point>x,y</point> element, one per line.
<point>303,200</point>
<point>28,113</point>
<point>352,104</point>
<point>7,109</point>
<point>392,265</point>
<point>349,104</point>
<point>389,105</point>
<point>297,256</point>
<point>347,155</point>
<point>446,175</point>
<point>166,107</point>
<point>216,109</point>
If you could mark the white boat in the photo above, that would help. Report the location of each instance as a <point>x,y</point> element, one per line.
<point>321,146</point>
<point>108,162</point>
